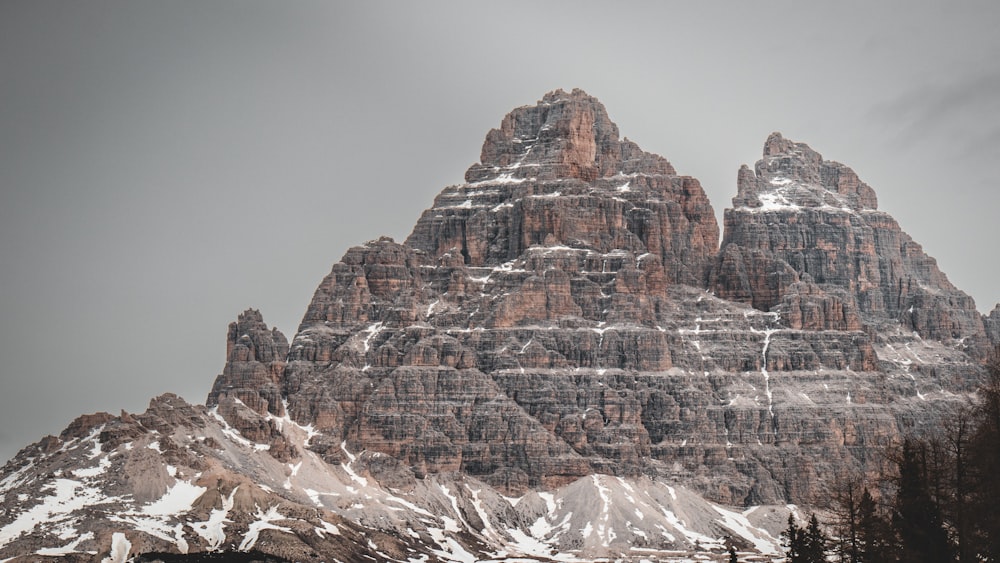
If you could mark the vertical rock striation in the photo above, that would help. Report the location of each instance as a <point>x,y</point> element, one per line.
<point>545,320</point>
<point>255,365</point>
<point>805,237</point>
<point>556,173</point>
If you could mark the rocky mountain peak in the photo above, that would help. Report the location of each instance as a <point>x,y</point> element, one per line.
<point>556,175</point>
<point>564,135</point>
<point>796,214</point>
<point>792,175</point>
<point>778,145</point>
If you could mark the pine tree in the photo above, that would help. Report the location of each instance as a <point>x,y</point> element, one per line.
<point>732,555</point>
<point>946,502</point>
<point>792,540</point>
<point>985,466</point>
<point>917,517</point>
<point>876,541</point>
<point>847,495</point>
<point>813,542</point>
<point>958,505</point>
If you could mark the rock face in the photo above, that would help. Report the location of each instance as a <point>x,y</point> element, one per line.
<point>561,327</point>
<point>557,174</point>
<point>992,324</point>
<point>255,365</point>
<point>798,219</point>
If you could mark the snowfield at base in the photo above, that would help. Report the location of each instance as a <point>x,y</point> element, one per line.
<point>120,547</point>
<point>176,500</point>
<point>263,523</point>
<point>739,524</point>
<point>213,530</point>
<point>69,496</point>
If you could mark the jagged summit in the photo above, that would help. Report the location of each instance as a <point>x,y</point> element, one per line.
<point>805,237</point>
<point>556,175</point>
<point>565,135</point>
<point>793,176</point>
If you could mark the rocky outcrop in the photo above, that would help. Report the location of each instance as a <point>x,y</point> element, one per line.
<point>795,215</point>
<point>807,306</point>
<point>564,136</point>
<point>992,324</point>
<point>252,381</point>
<point>557,174</point>
<point>255,365</point>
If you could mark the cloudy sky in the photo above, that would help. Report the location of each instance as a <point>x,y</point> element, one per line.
<point>166,165</point>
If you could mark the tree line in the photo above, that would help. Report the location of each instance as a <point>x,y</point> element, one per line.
<point>941,504</point>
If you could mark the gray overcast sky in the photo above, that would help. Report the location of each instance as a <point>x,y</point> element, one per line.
<point>165,165</point>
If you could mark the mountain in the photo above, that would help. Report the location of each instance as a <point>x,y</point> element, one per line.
<point>559,363</point>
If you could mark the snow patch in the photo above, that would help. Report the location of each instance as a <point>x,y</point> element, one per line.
<point>120,546</point>
<point>96,449</point>
<point>328,528</point>
<point>488,530</point>
<point>467,204</point>
<point>230,432</point>
<point>68,496</point>
<point>763,542</point>
<point>505,178</point>
<point>763,370</point>
<point>450,524</point>
<point>262,523</point>
<point>213,529</point>
<point>348,466</point>
<point>178,499</point>
<point>102,466</point>
<point>17,478</point>
<point>372,331</point>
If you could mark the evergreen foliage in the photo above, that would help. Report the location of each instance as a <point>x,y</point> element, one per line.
<point>942,505</point>
<point>917,517</point>
<point>805,545</point>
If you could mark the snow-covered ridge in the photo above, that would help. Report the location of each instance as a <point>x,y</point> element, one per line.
<point>596,515</point>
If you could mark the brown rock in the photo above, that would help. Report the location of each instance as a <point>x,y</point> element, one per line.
<point>556,174</point>
<point>255,365</point>
<point>798,214</point>
<point>84,425</point>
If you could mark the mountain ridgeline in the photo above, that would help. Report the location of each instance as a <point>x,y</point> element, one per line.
<point>560,359</point>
